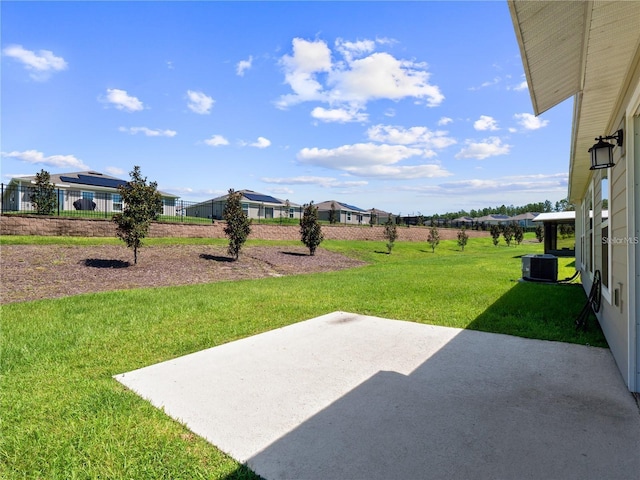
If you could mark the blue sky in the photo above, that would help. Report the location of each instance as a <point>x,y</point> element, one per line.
<point>416,107</point>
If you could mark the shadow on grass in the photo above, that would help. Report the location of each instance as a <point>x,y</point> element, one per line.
<point>542,310</point>
<point>101,263</point>
<point>216,258</point>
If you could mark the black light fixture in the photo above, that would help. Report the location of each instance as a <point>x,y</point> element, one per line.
<point>602,152</point>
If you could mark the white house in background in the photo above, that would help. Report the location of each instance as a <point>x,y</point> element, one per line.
<point>346,213</point>
<point>255,205</point>
<point>590,51</point>
<point>88,190</point>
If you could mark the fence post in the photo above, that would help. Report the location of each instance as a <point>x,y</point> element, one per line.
<point>2,198</point>
<point>58,200</point>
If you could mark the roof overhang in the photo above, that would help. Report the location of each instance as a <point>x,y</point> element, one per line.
<point>582,49</point>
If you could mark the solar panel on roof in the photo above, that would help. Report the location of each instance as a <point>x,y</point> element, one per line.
<point>256,197</point>
<point>94,181</point>
<point>351,207</point>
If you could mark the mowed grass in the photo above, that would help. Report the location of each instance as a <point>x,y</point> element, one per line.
<point>63,415</point>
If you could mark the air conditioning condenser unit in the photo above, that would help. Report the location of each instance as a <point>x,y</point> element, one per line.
<point>541,267</point>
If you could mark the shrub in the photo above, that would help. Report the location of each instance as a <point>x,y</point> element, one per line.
<point>390,233</point>
<point>495,234</point>
<point>507,233</point>
<point>142,204</point>
<point>433,238</point>
<point>310,230</point>
<point>463,238</point>
<point>238,225</point>
<point>539,233</point>
<point>518,234</point>
<point>43,198</point>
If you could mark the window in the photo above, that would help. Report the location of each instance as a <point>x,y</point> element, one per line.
<point>87,195</point>
<point>245,209</point>
<point>116,199</point>
<point>606,244</point>
<point>348,216</point>
<point>169,202</point>
<point>291,213</point>
<point>268,212</point>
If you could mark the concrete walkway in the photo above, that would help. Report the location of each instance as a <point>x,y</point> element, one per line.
<point>347,396</point>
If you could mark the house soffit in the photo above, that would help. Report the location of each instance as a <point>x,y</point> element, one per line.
<point>581,49</point>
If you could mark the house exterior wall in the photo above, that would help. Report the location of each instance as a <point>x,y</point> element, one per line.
<point>17,197</point>
<point>618,315</point>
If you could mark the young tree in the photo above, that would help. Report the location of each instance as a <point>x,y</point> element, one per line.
<point>495,234</point>
<point>142,204</point>
<point>463,238</point>
<point>333,213</point>
<point>518,234</point>
<point>284,211</point>
<point>539,233</point>
<point>433,238</point>
<point>507,233</point>
<point>43,198</point>
<point>238,225</point>
<point>373,218</point>
<point>310,230</point>
<point>390,233</point>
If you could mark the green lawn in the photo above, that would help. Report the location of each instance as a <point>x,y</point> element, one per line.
<point>63,416</point>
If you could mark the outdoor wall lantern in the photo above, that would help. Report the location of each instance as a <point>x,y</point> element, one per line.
<point>602,152</point>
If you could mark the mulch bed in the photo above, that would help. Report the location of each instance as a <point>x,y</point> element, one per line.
<point>32,272</point>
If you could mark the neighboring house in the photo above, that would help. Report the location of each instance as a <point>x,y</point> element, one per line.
<point>525,220</point>
<point>346,213</point>
<point>462,221</point>
<point>590,51</point>
<point>493,219</point>
<point>76,191</point>
<point>255,205</point>
<point>380,217</point>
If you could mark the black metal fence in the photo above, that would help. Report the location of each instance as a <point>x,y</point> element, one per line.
<point>18,199</point>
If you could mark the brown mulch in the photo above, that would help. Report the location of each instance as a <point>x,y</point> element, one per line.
<point>33,272</point>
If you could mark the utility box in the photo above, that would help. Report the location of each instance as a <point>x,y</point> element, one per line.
<point>541,267</point>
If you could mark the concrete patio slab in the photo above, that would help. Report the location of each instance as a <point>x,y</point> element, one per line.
<point>353,396</point>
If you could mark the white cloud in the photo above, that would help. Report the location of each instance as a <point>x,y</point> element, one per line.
<point>308,59</point>
<point>489,147</point>
<point>149,132</point>
<point>41,64</point>
<point>199,102</point>
<point>243,65</point>
<point>371,160</point>
<point>114,171</point>
<point>261,142</point>
<point>354,49</point>
<point>444,121</point>
<point>339,115</point>
<point>414,136</point>
<point>327,182</point>
<point>515,185</point>
<point>354,81</point>
<point>485,122</point>
<point>216,141</point>
<point>530,122</point>
<point>495,81</point>
<point>35,157</point>
<point>123,101</point>
<point>381,76</point>
<point>520,86</point>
